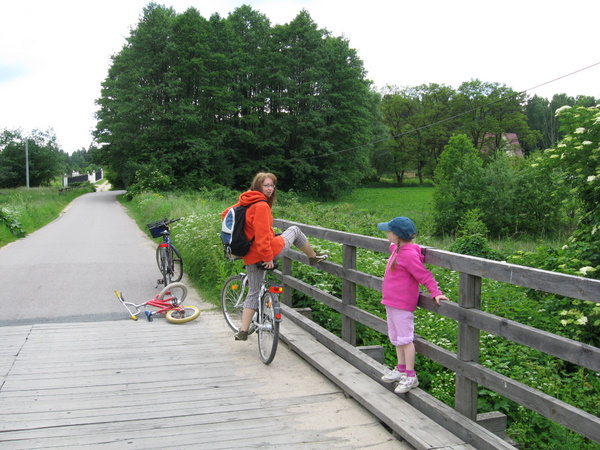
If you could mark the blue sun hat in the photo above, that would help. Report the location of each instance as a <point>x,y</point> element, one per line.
<point>402,227</point>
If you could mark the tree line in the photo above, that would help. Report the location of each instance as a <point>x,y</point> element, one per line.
<point>46,161</point>
<point>191,102</point>
<point>199,102</point>
<point>212,101</point>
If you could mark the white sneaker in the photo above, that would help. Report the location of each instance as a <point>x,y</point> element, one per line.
<point>406,385</point>
<point>394,375</point>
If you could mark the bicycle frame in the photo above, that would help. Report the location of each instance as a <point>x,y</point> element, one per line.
<point>163,306</point>
<point>272,289</point>
<point>169,303</point>
<point>265,320</point>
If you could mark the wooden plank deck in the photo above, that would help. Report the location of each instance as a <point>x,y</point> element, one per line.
<point>142,385</point>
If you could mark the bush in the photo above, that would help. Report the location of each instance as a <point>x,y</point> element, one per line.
<point>458,179</point>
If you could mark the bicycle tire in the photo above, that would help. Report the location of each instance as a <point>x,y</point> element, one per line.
<point>183,314</point>
<point>163,264</point>
<point>177,290</point>
<point>268,328</point>
<point>176,264</point>
<point>232,300</point>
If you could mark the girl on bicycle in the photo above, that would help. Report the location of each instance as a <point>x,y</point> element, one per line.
<point>404,272</point>
<point>266,245</point>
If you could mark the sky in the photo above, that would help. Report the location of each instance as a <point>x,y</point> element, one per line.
<point>54,55</point>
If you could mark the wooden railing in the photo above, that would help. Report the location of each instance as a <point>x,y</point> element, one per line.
<point>469,317</point>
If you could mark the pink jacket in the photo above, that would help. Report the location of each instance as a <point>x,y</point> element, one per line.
<point>400,287</point>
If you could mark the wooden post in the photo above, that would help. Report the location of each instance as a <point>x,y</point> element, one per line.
<point>286,269</point>
<point>468,346</point>
<point>349,294</point>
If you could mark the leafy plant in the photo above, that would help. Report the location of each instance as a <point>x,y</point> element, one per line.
<point>11,221</point>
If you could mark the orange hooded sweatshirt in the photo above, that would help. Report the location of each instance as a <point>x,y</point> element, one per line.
<point>259,225</point>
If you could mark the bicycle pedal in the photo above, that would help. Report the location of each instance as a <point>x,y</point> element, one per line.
<point>148,315</point>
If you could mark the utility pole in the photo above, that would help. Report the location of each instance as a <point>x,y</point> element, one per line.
<point>27,162</point>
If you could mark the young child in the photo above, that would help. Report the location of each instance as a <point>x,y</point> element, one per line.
<point>400,294</point>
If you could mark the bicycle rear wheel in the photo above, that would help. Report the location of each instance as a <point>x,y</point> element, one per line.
<point>176,264</point>
<point>268,328</point>
<point>174,292</point>
<point>162,260</point>
<point>183,314</point>
<point>232,300</point>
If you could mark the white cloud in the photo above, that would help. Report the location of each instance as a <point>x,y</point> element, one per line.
<point>54,55</point>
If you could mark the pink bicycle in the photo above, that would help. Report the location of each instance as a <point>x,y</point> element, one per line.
<point>168,303</point>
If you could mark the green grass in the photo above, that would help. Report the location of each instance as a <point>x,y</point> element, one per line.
<point>387,203</point>
<point>24,210</point>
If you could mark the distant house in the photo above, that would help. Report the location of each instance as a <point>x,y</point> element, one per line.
<point>509,142</point>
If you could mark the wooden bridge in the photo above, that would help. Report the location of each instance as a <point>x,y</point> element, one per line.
<point>123,384</point>
<point>144,385</point>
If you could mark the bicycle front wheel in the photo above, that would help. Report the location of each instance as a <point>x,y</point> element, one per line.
<point>232,300</point>
<point>268,328</point>
<point>183,314</point>
<point>176,264</point>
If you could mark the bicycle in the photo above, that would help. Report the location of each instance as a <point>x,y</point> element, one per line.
<point>168,303</point>
<point>168,258</point>
<point>266,320</point>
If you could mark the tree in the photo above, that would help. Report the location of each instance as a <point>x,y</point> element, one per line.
<point>381,156</point>
<point>458,183</point>
<point>45,158</point>
<point>399,109</point>
<point>519,197</point>
<point>215,101</point>
<point>137,97</point>
<point>487,110</point>
<point>434,125</point>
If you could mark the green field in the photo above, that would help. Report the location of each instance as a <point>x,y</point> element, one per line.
<point>413,202</point>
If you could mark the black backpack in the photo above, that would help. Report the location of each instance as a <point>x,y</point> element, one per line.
<point>235,244</point>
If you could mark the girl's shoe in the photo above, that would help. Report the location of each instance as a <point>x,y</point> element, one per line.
<point>394,375</point>
<point>317,258</point>
<point>406,385</point>
<point>241,335</point>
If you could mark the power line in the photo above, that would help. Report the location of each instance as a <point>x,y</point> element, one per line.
<point>453,117</point>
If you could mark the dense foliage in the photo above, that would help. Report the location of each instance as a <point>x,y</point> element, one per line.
<point>511,195</point>
<point>575,164</point>
<point>208,102</point>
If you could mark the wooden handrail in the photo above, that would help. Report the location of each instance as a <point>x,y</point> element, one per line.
<point>469,317</point>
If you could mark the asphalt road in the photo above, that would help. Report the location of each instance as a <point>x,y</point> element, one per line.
<point>68,270</point>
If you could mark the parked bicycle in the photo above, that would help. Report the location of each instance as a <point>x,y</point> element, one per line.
<point>168,258</point>
<point>168,303</point>
<point>266,320</point>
